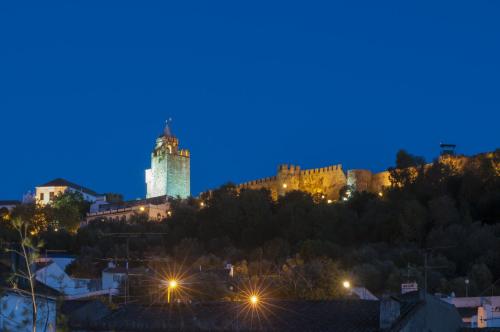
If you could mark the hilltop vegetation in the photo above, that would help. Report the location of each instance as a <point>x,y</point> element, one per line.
<point>307,246</point>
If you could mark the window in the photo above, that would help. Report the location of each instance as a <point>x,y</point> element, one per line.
<point>41,196</point>
<point>51,196</point>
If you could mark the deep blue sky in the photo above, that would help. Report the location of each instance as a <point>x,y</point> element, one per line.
<point>85,86</point>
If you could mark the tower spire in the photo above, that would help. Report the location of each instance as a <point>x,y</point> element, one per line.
<point>167,132</point>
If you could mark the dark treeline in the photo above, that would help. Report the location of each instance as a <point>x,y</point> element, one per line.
<point>450,215</point>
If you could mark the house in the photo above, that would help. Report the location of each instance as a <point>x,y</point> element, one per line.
<point>412,312</point>
<point>46,193</point>
<point>16,305</point>
<point>113,276</point>
<point>50,274</point>
<point>9,205</point>
<point>6,208</point>
<point>16,310</point>
<point>477,311</point>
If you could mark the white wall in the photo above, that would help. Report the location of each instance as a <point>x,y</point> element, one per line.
<point>112,280</point>
<point>53,276</point>
<point>16,313</point>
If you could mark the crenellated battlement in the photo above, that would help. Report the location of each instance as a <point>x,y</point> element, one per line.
<point>326,180</point>
<point>259,182</point>
<point>184,153</point>
<point>333,168</point>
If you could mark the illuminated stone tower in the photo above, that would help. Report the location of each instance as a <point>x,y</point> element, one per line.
<point>170,168</point>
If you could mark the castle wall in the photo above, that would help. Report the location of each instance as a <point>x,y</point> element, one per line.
<point>326,181</point>
<point>265,183</point>
<point>380,181</point>
<point>359,179</point>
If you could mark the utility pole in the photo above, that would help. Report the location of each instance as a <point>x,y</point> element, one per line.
<point>426,265</point>
<point>127,237</point>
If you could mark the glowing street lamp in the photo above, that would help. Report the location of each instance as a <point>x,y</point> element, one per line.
<point>346,284</point>
<point>172,285</point>
<point>142,208</point>
<point>254,299</point>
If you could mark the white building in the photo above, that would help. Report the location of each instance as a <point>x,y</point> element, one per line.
<point>16,311</point>
<point>477,311</point>
<point>47,192</point>
<point>9,205</point>
<point>52,275</point>
<point>113,276</point>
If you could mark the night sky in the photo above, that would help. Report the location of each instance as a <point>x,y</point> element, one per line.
<point>86,86</point>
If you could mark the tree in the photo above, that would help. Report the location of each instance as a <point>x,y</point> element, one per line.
<point>68,209</point>
<point>408,168</point>
<point>28,252</point>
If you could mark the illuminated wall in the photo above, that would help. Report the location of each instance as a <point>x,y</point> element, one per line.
<point>325,182</point>
<point>170,169</point>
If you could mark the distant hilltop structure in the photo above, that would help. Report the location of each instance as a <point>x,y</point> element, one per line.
<point>169,174</point>
<point>326,182</point>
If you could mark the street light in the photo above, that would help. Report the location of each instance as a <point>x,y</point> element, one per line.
<point>346,284</point>
<point>254,299</point>
<point>172,284</point>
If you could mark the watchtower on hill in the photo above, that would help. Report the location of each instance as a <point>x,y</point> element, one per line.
<point>170,168</point>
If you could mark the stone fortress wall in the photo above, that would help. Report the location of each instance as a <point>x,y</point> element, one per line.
<point>328,181</point>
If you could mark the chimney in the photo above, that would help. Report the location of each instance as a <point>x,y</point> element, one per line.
<point>389,312</point>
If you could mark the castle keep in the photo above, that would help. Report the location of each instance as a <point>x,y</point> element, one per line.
<point>170,168</point>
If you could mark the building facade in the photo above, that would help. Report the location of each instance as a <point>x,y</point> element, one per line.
<point>46,193</point>
<point>155,208</point>
<point>170,168</point>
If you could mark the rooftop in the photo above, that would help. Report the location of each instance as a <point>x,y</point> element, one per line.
<point>10,202</point>
<point>59,182</point>
<point>339,315</point>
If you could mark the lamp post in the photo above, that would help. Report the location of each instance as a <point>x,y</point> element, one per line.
<point>172,284</point>
<point>467,287</point>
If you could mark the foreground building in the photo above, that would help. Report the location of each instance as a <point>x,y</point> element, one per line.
<point>413,312</point>
<point>169,174</point>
